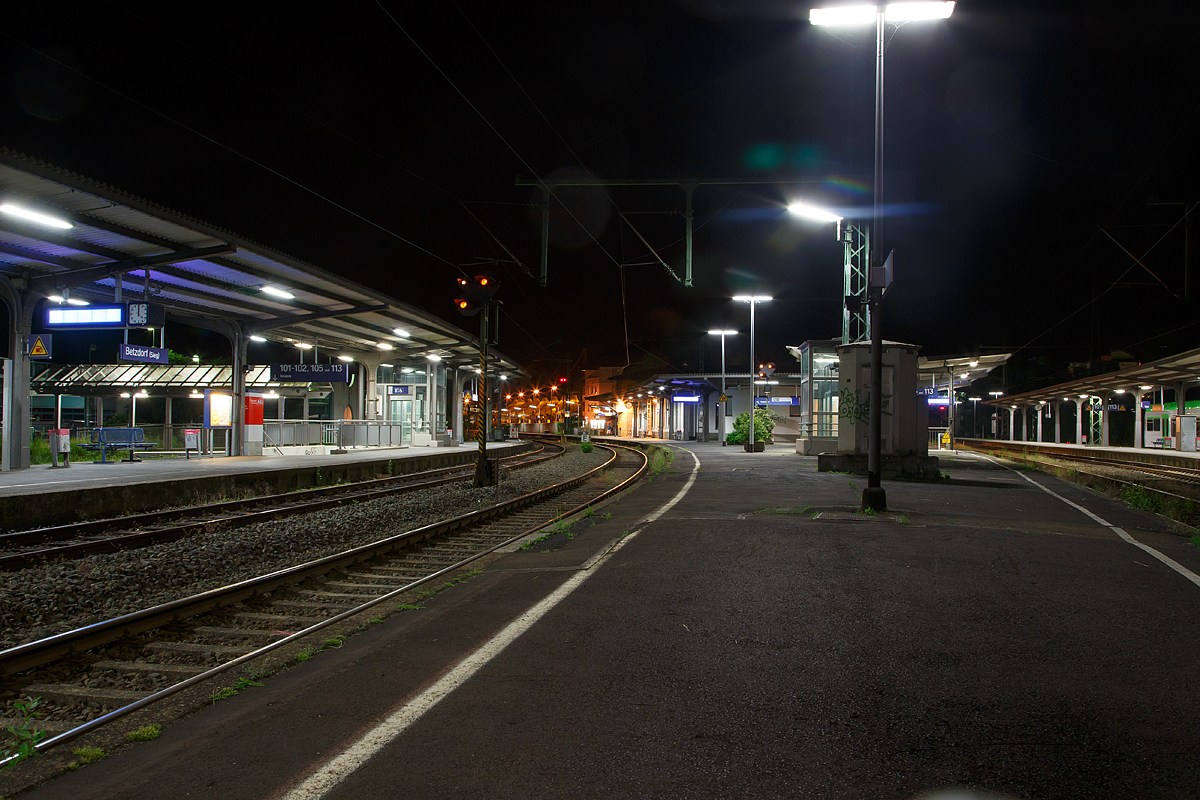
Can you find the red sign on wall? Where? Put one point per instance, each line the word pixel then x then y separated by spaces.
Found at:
pixel 254 409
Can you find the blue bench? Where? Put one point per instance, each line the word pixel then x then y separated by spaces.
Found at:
pixel 105 439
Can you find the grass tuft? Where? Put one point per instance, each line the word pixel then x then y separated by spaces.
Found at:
pixel 145 733
pixel 89 755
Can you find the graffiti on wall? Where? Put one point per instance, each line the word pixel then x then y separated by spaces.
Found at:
pixel 858 409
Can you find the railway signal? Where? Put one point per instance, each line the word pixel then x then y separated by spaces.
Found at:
pixel 474 293
pixel 475 296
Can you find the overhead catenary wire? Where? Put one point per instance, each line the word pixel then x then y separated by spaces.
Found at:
pixel 277 173
pixel 487 122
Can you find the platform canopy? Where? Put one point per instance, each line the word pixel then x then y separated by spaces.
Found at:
pixel 178 380
pixel 1180 371
pixel 204 276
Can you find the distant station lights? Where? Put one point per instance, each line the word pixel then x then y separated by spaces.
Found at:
pixel 34 216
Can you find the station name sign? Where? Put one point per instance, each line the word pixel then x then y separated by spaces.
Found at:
pixel 308 373
pixel 777 401
pixel 114 315
pixel 143 353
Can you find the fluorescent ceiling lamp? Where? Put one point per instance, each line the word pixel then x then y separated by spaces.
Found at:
pixel 345 358
pixel 195 395
pixel 434 357
pixel 721 333
pixel 55 298
pixel 386 365
pixel 1120 391
pixel 406 370
pixel 843 15
pixel 385 346
pixel 141 393
pixel 907 12
pixel 124 394
pixel 256 338
pixel 503 377
pixel 1145 388
pixel 812 212
pixel 34 216
pixel 304 345
pixel 755 298
pixel 75 301
pixel 403 334
pixel 275 292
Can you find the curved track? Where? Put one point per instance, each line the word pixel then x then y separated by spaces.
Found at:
pixel 187 641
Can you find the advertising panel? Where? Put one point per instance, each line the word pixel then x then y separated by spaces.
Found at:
pixel 218 409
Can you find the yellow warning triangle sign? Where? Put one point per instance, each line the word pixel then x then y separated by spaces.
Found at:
pixel 38 349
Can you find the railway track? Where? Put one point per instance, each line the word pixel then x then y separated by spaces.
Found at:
pixel 157 652
pixel 23 549
pixel 1185 474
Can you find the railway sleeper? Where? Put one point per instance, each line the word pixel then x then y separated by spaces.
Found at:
pixel 180 671
pixel 277 619
pixel 244 633
pixel 345 597
pixel 66 694
pixel 193 648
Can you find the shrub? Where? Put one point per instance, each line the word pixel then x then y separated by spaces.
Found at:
pixel 586 447
pixel 764 425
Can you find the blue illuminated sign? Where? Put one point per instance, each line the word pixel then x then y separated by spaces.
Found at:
pixel 144 353
pixel 85 316
pixel 399 390
pixel 305 373
pixel 686 398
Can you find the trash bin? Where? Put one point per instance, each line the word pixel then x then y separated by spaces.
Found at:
pixel 60 445
pixel 191 441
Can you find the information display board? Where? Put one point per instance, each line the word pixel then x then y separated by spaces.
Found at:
pixel 307 373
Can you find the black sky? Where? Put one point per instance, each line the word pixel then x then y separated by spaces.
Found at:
pixel 1019 138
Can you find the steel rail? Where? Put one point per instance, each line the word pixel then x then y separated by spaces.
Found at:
pixel 35 654
pixel 1017 452
pixel 354 556
pixel 219 516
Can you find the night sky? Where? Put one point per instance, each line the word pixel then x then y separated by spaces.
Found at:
pixel 378 141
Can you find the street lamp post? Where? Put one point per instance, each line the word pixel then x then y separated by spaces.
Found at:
pixel 974 415
pixel 753 300
pixel 874 496
pixel 724 400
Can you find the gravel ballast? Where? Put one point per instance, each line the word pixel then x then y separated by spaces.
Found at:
pixel 53 598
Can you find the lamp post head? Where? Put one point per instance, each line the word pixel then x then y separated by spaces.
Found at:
pixel 892 12
pixel 816 213
pixel 752 298
pixel 721 333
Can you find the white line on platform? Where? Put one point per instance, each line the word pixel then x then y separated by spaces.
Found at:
pixel 332 772
pixel 1170 562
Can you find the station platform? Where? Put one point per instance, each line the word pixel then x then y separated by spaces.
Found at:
pixel 736 628
pixel 95 490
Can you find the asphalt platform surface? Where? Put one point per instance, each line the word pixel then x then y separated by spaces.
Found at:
pixel 759 639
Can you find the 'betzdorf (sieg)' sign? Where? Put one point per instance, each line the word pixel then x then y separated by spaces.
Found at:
pixel 144 353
